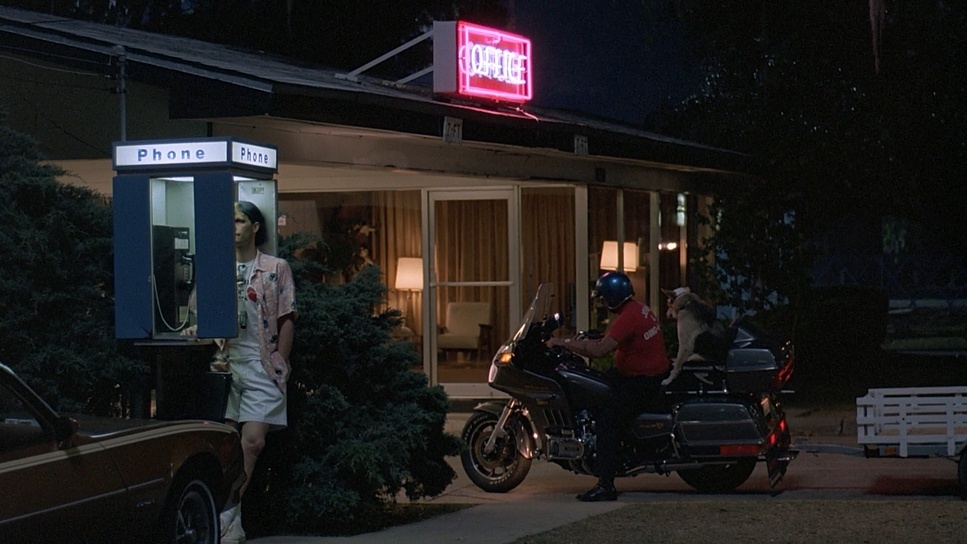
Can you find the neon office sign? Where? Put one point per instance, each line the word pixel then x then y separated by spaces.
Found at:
pixel 479 62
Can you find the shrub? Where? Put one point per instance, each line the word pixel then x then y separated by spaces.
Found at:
pixel 57 284
pixel 363 427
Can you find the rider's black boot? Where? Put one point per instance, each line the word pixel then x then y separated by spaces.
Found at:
pixel 603 491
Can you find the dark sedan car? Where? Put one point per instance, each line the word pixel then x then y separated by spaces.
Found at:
pixel 110 480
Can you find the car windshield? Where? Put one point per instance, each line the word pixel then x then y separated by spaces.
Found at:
pixel 538 309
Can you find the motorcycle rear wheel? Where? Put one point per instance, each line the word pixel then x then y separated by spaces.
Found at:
pixel 719 478
pixel 496 472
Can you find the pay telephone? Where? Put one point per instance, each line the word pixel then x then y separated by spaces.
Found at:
pixel 173 276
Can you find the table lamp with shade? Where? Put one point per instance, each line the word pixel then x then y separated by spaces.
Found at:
pixel 609 256
pixel 409 278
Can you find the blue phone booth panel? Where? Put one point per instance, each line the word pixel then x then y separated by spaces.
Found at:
pixel 174 257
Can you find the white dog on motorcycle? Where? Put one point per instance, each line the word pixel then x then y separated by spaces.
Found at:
pixel 698 330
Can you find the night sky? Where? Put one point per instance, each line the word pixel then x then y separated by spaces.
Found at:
pixel 606 58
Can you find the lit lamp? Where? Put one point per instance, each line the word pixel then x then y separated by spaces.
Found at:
pixel 409 278
pixel 609 256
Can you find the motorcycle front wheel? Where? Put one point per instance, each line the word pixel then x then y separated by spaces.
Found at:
pixel 719 478
pixel 498 471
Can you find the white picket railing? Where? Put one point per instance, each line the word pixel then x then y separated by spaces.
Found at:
pixel 913 420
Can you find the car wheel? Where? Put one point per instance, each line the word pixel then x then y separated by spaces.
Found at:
pixel 190 517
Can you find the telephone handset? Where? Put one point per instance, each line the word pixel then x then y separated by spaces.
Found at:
pixel 187 266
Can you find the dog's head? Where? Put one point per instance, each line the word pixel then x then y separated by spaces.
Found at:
pixel 677 299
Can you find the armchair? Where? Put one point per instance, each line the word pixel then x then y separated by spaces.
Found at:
pixel 467 328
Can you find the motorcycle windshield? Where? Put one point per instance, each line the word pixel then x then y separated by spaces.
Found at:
pixel 538 309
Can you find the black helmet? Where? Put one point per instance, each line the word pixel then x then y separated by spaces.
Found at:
pixel 615 288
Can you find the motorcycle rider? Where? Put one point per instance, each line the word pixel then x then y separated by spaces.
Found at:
pixel 641 364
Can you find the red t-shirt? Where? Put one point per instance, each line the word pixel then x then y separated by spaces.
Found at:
pixel 641 346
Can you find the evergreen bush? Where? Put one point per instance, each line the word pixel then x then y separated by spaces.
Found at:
pixel 57 319
pixel 363 427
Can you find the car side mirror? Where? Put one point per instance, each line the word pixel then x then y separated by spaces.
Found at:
pixel 64 430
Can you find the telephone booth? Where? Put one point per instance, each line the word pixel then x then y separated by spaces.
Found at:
pixel 174 241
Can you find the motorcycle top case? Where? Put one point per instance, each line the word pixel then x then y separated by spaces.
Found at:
pixel 753 363
pixel 750 370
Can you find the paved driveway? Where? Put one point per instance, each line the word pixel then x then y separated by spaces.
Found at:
pixel 830 465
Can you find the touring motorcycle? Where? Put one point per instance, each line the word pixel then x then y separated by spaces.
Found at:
pixel 716 420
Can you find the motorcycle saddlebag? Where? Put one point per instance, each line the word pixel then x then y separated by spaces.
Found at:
pixel 705 424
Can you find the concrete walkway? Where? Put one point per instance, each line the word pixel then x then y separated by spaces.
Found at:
pixel 481 524
pixel 830 465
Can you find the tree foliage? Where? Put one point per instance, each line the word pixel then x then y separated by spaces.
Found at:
pixel 364 427
pixel 840 146
pixel 57 322
pixel 761 260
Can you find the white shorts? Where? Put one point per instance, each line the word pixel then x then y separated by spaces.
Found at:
pixel 254 396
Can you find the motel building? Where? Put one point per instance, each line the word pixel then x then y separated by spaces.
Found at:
pixel 464 195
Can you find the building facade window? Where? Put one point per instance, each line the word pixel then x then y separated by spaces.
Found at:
pixel 477 258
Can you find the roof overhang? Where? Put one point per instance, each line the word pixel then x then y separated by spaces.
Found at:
pixel 245 84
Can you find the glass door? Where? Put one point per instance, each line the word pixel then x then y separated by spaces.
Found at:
pixel 473 298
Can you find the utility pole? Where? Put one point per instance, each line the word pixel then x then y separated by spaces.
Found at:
pixel 122 91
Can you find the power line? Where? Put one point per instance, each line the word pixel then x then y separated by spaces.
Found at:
pixel 55 83
pixel 42 113
pixel 51 68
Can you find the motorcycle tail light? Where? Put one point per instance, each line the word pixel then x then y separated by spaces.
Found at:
pixel 739 450
pixel 781 435
pixel 778 437
pixel 784 374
